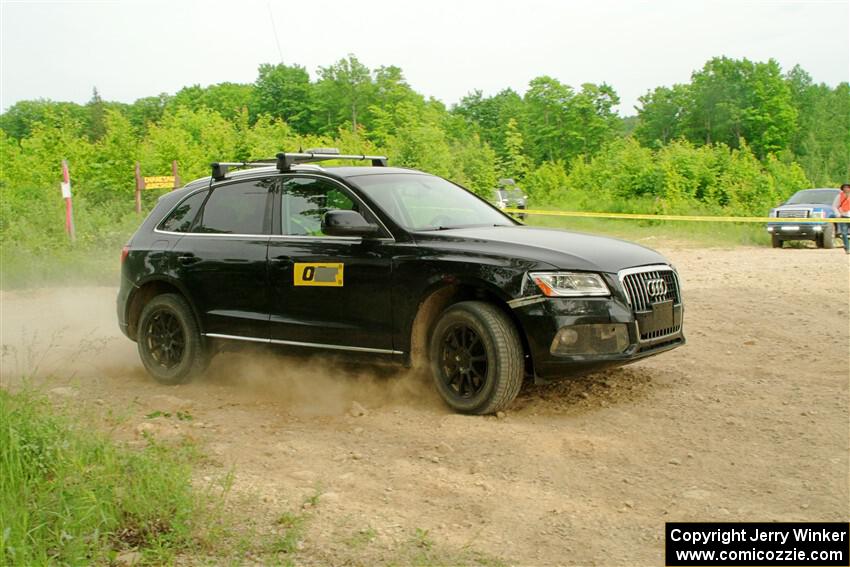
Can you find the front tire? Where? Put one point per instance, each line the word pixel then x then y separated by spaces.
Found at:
pixel 476 358
pixel 828 236
pixel 169 341
pixel 775 241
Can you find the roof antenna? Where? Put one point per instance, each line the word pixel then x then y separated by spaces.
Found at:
pixel 274 31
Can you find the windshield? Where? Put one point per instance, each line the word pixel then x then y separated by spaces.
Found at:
pixel 424 202
pixel 813 196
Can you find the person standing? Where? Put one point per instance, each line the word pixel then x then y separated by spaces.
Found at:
pixel 844 211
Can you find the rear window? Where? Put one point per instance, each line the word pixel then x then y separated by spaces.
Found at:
pixel 235 209
pixel 180 219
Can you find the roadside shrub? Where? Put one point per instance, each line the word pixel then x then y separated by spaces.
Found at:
pixel 70 497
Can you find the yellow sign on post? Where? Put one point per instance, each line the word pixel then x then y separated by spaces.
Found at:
pixel 159 182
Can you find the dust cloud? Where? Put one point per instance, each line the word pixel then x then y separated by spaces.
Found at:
pixel 67 335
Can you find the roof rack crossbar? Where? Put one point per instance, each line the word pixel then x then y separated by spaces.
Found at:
pixel 285 161
pixel 220 168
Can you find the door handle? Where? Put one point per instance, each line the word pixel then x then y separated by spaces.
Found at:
pixel 280 259
pixel 187 259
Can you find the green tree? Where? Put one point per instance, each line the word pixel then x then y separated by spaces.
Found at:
pixel 193 138
pixel 490 116
pixel 821 140
pixel 146 111
pixel 546 116
pixel 769 116
pixel 228 99
pixel 21 118
pixel 97 116
pixel 561 124
pixel 732 100
pixel 345 90
pixel 661 115
pixel 285 92
pixel 515 163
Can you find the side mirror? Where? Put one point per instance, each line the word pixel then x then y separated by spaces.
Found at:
pixel 347 223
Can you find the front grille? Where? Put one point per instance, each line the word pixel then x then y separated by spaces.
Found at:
pixel 643 288
pixel 658 333
pixel 792 213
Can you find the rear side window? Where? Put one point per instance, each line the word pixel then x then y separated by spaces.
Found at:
pixel 236 209
pixel 180 219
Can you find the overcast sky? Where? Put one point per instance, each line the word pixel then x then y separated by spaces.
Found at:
pixel 59 50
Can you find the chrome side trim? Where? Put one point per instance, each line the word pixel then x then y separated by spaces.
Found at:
pixel 236 338
pixel 301 344
pixel 217 234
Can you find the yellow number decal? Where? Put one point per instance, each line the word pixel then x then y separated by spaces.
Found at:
pixel 329 275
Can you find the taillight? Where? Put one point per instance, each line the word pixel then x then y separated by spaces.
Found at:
pixel 125 252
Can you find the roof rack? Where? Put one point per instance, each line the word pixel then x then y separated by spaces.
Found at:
pixel 285 161
pixel 220 168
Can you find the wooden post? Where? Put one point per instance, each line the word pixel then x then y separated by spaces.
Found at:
pixel 140 184
pixel 66 194
pixel 175 173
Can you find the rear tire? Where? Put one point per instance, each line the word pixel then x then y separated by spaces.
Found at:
pixel 775 241
pixel 828 236
pixel 476 358
pixel 169 341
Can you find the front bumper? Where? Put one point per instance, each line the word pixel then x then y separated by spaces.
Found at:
pixel 541 319
pixel 792 231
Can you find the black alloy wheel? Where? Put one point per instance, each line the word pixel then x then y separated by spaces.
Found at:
pixel 476 356
pixel 166 339
pixel 169 341
pixel 463 367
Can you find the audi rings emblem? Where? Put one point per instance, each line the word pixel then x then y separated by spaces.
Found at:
pixel 656 287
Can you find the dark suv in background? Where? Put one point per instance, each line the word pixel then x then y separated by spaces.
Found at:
pixel 392 263
pixel 508 195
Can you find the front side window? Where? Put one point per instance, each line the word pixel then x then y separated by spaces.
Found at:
pixel 304 202
pixel 180 219
pixel 239 208
pixel 425 202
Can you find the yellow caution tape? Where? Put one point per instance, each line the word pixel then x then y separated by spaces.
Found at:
pixel 633 216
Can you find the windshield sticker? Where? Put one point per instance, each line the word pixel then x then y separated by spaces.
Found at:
pixel 328 275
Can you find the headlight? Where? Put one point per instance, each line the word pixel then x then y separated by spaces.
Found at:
pixel 818 214
pixel 570 284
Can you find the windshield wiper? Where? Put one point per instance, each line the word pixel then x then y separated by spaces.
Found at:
pixel 436 228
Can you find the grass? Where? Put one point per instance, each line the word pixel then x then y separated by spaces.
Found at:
pixel 420 550
pixel 292 528
pixel 66 264
pixel 69 496
pixel 698 233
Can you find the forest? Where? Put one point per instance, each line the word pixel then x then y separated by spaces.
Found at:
pixel 738 138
